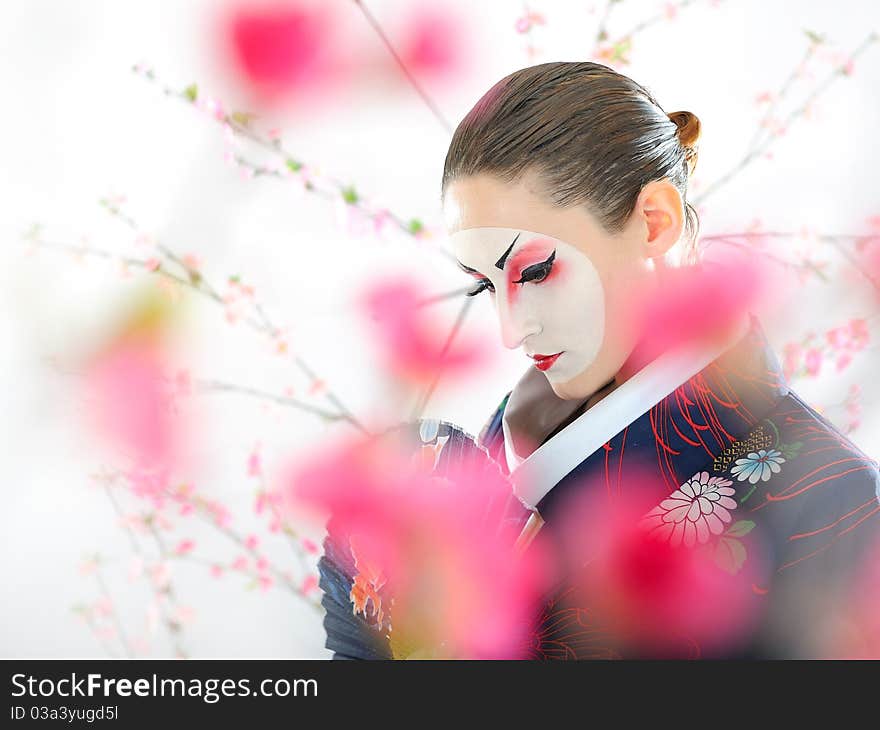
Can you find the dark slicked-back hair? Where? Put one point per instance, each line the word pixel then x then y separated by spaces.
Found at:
pixel 594 136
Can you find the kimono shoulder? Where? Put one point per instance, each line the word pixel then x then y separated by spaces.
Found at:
pixel 491 436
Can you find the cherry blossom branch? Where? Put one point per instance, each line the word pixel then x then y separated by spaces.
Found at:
pixel 264 325
pixel 835 240
pixel 239 124
pixel 216 386
pixel 399 61
pixel 756 152
pixel 670 11
pixel 151 265
pixel 616 51
pixel 815 41
pixel 86 614
pixel 730 240
pixel 102 584
pixel 601 30
pixel 422 402
pixel 525 25
pixel 174 627
pixel 203 513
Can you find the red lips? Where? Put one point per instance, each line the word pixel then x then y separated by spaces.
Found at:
pixel 545 362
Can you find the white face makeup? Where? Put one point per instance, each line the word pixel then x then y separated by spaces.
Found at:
pixel 547 293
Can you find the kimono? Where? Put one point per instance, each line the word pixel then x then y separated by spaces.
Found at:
pixel 778 487
pixel 797 492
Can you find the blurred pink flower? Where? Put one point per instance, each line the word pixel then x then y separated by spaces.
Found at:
pixel 254 467
pixel 411 338
pixel 792 359
pixel 283 49
pixel 240 563
pixel 184 547
pixel 813 361
pixel 435 545
pixel 659 598
pixel 309 546
pixel 433 42
pixel 160 575
pixel 694 304
pixel 216 571
pixel 309 584
pixel 131 405
pixel 251 542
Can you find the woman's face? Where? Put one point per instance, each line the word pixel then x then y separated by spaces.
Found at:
pixel 563 288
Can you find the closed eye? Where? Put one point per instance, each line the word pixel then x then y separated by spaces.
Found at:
pixel 537 272
pixel 481 285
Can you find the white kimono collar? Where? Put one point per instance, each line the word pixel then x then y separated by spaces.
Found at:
pixel 536 474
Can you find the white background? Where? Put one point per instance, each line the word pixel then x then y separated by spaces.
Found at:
pixel 77 125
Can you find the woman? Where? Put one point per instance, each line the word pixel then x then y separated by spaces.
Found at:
pixel 565 197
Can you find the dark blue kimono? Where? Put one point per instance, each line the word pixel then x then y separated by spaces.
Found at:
pixel 799 491
pixel 788 488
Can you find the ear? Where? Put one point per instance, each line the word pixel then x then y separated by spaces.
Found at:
pixel 660 209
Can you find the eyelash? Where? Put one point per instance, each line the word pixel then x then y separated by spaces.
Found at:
pixel 535 273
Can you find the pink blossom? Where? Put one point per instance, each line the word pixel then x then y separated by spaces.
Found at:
pixel 184 547
pixel 186 509
pixel 309 546
pixel 838 337
pixel 814 361
pixel 792 354
pixel 254 467
pixel 131 405
pixel 240 563
pixel 381 218
pixel 284 50
pixel 452 579
pixel 858 330
pixel 843 361
pixel 222 516
pixel 216 571
pixel 152 264
pixel 309 584
pixel 411 339
pixel 693 304
pixel 251 542
pixel 433 41
pixel 160 574
pixel 638 581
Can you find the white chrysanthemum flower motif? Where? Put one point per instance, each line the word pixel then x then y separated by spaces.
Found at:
pixel 758 465
pixel 694 512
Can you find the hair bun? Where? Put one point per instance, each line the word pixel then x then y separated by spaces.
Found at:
pixel 688 133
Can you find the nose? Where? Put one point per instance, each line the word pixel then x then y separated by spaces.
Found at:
pixel 517 322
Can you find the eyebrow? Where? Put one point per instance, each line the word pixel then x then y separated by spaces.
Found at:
pixel 499 263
